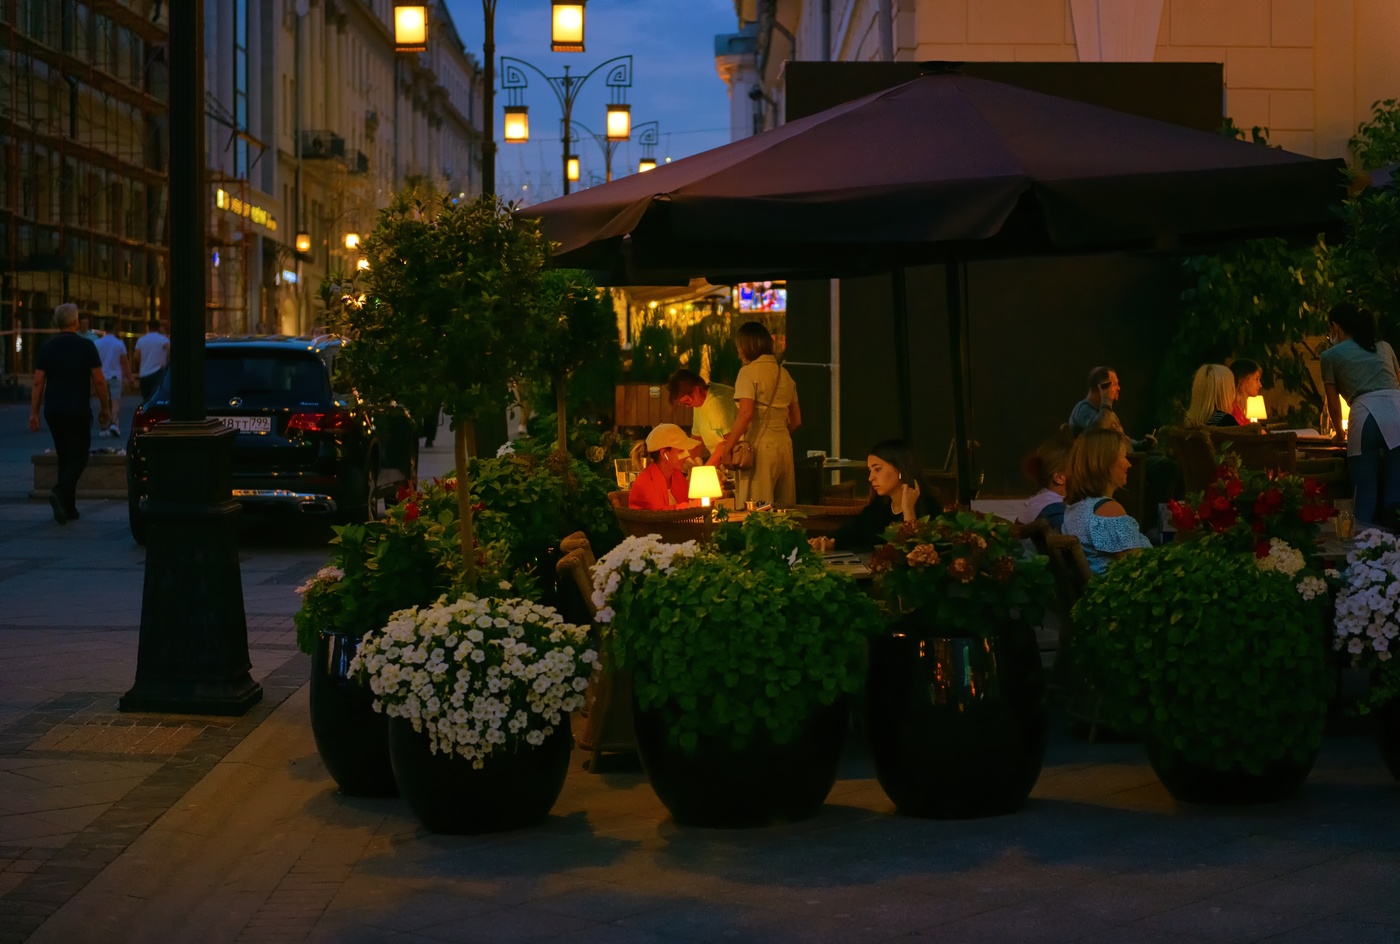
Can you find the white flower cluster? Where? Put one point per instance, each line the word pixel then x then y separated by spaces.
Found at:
pixel 634 558
pixel 1282 557
pixel 477 673
pixel 1368 617
pixel 324 575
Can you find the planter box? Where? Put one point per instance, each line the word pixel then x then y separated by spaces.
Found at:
pixel 104 477
pixel 642 404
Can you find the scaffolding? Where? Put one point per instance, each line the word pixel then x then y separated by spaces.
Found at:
pixel 83 186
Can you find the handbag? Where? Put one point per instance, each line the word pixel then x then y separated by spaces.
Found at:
pixel 742 454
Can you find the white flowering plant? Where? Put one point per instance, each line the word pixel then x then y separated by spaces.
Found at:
pixel 619 574
pixel 1289 561
pixel 322 606
pixel 478 675
pixel 1367 622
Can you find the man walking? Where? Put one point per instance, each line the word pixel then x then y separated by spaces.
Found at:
pixel 116 370
pixel 152 356
pixel 66 370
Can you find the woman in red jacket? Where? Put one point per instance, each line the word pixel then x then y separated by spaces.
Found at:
pixel 662 484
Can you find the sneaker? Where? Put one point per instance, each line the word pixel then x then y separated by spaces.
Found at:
pixel 114 431
pixel 60 514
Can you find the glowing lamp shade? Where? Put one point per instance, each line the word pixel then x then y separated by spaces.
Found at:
pixel 303 242
pixel 566 29
pixel 1254 410
pixel 352 240
pixel 517 124
pixel 410 28
pixel 362 265
pixel 619 122
pixel 704 484
pixel 572 167
pixel 1346 413
pixel 646 164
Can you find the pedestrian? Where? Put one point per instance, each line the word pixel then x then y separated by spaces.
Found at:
pixel 116 372
pixel 768 413
pixel 151 358
pixel 66 371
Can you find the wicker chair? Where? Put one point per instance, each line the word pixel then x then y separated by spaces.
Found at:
pixel 1194 452
pixel 1276 452
pixel 678 526
pixel 578 541
pixel 607 713
pixel 827 518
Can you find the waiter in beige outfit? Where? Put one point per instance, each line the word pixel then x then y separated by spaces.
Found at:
pixel 768 413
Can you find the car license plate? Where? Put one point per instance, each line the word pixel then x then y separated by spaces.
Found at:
pixel 248 424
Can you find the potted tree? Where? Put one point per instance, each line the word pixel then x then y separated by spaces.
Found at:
pixel 1215 658
pixel 478 694
pixel 956 700
pixel 743 653
pixel 1367 631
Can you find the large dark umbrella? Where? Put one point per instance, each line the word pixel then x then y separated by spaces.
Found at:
pixel 942 168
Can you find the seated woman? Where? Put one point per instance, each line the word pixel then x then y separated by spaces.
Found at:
pixel 1098 466
pixel 1249 380
pixel 894 496
pixel 662 484
pixel 1046 469
pixel 1213 395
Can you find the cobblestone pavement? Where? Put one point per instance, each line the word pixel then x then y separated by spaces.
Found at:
pixel 133 827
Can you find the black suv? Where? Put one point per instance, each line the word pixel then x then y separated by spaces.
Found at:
pixel 302 447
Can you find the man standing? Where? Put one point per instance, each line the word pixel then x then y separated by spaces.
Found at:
pixel 116 369
pixel 67 369
pixel 713 405
pixel 152 356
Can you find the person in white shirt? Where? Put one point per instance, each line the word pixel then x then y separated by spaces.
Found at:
pixel 117 371
pixel 152 357
pixel 713 406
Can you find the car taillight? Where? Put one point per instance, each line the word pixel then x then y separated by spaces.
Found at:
pixel 318 422
pixel 146 418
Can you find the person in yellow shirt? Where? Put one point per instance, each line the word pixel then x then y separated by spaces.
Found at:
pixel 713 405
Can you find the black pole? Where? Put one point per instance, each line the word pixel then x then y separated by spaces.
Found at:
pixel 193 651
pixel 488 147
pixel 900 290
pixel 958 355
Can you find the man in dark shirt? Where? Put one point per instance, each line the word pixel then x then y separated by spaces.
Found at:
pixel 66 372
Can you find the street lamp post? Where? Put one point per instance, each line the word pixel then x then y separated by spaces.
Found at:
pixel 609 148
pixel 648 133
pixel 618 77
pixel 488 57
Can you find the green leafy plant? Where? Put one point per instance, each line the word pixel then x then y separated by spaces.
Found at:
pixel 1377 140
pixel 964 570
pixel 1198 647
pixel 729 644
pixel 575 326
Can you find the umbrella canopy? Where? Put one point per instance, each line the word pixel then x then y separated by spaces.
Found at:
pixel 944 166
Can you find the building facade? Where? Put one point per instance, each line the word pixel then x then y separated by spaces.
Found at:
pixel 82 168
pixel 1307 70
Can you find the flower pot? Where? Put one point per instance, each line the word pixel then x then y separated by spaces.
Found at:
pixel 957 724
pixel 1190 782
pixel 351 737
pixel 1388 735
pixel 762 784
pixel 513 790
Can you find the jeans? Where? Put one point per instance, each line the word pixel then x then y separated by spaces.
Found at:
pixel 149 383
pixel 72 441
pixel 1375 475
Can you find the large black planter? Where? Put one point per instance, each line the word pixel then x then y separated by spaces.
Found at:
pixel 351 737
pixel 1388 735
pixel 761 785
pixel 513 790
pixel 1190 782
pixel 957 724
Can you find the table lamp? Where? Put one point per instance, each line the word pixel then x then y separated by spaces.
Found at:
pixel 704 484
pixel 1254 410
pixel 1346 413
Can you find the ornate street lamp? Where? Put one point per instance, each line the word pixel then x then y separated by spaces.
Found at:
pixel 410 28
pixel 517 124
pixel 571 167
pixel 647 134
pixel 303 242
pixel 566 30
pixel 352 240
pixel 619 125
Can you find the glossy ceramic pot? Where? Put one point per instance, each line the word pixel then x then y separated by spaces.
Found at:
pixel 957 724
pixel 760 784
pixel 1190 782
pixel 513 789
pixel 351 737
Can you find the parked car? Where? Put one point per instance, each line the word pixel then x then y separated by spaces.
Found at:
pixel 303 448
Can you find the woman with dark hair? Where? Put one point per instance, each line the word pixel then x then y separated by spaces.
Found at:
pixel 1249 380
pixel 768 413
pixel 1362 369
pixel 894 496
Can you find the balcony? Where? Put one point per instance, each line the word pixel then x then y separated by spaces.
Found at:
pixel 358 163
pixel 322 145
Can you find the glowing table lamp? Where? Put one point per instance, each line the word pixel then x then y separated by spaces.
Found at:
pixel 1254 410
pixel 704 484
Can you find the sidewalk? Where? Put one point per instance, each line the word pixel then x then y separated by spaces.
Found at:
pixel 156 828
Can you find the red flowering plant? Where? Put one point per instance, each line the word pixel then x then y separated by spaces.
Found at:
pixel 1251 506
pixel 962 570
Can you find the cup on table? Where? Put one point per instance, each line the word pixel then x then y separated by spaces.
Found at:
pixel 1346 525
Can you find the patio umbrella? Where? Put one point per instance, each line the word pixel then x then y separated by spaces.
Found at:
pixel 944 168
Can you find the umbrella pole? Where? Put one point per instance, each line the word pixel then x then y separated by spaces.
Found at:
pixel 955 271
pixel 900 291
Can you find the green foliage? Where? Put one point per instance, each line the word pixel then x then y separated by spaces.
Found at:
pixel 1367 263
pixel 1257 134
pixel 764 536
pixel 1194 646
pixel 1377 141
pixel 964 570
pixel 592 442
pixel 530 504
pixel 713 336
pixel 655 351
pixel 574 326
pixel 729 644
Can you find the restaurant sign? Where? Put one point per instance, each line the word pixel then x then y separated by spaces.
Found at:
pixel 228 202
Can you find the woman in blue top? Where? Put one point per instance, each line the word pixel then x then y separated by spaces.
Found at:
pixel 1098 467
pixel 1364 370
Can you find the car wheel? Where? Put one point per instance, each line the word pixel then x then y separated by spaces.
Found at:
pixel 363 502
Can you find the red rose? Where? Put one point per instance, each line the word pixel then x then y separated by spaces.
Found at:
pixel 1233 488
pixel 403 492
pixel 1183 517
pixel 410 511
pixel 1226 471
pixel 1313 488
pixel 1261 549
pixel 1312 514
pixel 1269 502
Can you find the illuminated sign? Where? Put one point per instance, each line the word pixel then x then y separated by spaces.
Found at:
pixel 226 201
